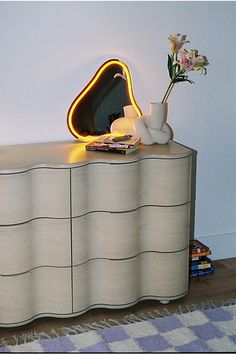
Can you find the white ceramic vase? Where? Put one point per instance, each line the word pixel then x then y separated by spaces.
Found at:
pixel 130 111
pixel 158 115
pixel 153 128
pixel 125 124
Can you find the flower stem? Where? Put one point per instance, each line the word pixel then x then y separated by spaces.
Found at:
pixel 170 87
pixel 166 94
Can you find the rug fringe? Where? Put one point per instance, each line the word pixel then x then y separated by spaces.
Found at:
pixel 108 323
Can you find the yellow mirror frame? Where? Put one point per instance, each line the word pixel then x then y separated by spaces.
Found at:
pixel 89 87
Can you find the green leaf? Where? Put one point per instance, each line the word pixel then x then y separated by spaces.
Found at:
pixel 170 67
pixel 179 79
pixel 183 79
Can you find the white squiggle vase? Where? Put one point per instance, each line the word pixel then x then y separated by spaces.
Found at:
pixel 158 115
pixel 125 124
pixel 140 130
pixel 153 128
pixel 161 136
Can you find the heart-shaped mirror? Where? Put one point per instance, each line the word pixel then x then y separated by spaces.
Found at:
pixel 101 102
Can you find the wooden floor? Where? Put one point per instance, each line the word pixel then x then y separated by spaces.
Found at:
pixel 218 286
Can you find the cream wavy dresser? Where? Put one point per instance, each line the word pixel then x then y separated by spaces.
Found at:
pixel 80 230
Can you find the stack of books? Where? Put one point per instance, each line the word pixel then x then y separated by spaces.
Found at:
pixel 124 144
pixel 199 264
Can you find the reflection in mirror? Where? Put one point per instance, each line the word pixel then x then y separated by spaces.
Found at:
pixel 101 101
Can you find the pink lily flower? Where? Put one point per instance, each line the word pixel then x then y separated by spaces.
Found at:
pixel 190 60
pixel 177 41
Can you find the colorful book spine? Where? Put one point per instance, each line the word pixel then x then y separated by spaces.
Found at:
pixel 110 149
pixel 201 272
pixel 201 260
pixel 196 256
pixel 198 247
pixel 200 266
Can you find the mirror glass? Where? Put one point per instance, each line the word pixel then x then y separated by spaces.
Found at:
pixel 102 101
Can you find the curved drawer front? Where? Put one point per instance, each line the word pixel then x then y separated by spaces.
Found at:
pixel 15 198
pixel 40 242
pixel 42 291
pixel 164 274
pixel 120 283
pixel 104 187
pixel 42 192
pixel 50 192
pixel 164 229
pixel 111 187
pixel 165 182
pixel 121 235
pixel 105 282
pixel 107 235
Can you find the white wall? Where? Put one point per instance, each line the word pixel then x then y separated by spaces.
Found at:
pixel 49 51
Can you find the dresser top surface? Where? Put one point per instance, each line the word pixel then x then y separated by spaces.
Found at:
pixel 14 158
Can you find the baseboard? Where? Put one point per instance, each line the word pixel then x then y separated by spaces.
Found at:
pixel 222 246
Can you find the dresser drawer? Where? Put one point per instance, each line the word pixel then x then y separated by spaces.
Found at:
pixel 105 235
pixel 37 193
pixel 164 229
pixel 106 187
pixel 164 274
pixel 40 242
pixel 121 235
pixel 107 283
pixel 165 182
pixel 44 291
pixel 15 198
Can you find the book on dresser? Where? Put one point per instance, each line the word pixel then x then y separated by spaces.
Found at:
pixel 116 144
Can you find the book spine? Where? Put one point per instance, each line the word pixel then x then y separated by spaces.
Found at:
pixel 198 250
pixel 193 256
pixel 108 145
pixel 115 145
pixel 198 247
pixel 200 266
pixel 96 148
pixel 201 260
pixel 201 272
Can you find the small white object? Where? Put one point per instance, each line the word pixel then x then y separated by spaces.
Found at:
pixel 124 125
pixel 130 111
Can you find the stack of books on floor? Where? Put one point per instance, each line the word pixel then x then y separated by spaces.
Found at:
pixel 124 144
pixel 200 263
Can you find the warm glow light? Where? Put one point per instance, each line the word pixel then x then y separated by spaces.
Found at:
pixel 77 150
pixel 75 103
